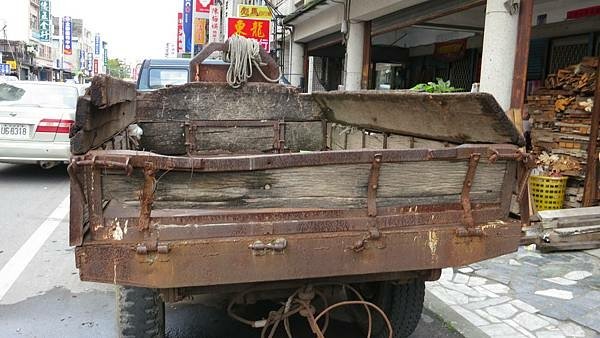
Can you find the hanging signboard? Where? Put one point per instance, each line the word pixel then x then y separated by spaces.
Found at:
pixel 67 42
pixel 450 51
pixel 45 20
pixel 257 29
pixel 214 24
pixel 203 6
pixel 200 31
pixel 97 44
pixel 256 12
pixel 187 24
pixel 95 66
pixel 180 35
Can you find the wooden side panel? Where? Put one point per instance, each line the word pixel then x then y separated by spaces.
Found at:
pixel 456 118
pixel 106 91
pixel 217 101
pixel 168 138
pixel 334 186
pixel 344 137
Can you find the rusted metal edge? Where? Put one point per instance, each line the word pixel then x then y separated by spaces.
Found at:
pixel 465 196
pixel 277 161
pixel 373 186
pixel 204 227
pixel 147 196
pixel 201 262
pixel 77 204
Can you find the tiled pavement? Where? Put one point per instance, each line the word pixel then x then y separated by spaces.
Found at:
pixel 525 294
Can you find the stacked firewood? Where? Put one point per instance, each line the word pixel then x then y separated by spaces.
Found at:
pixel 579 78
pixel 561 119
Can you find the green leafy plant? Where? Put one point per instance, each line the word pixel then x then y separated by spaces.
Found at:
pixel 440 87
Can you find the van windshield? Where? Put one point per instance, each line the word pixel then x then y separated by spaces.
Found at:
pixel 162 77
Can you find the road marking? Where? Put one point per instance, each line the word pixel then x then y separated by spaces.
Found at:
pixel 15 266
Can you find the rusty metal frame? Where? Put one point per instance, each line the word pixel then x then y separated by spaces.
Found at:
pixel 465 197
pixel 138 159
pixel 373 185
pixel 147 196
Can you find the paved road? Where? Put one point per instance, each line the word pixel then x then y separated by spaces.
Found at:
pixel 40 292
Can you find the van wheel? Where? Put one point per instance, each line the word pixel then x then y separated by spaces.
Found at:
pixel 140 312
pixel 402 303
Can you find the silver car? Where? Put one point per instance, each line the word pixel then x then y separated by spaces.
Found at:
pixel 35 119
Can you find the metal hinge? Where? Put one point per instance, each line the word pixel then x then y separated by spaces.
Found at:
pixel 152 247
pixel 260 248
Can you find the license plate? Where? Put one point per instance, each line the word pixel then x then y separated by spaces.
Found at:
pixel 14 131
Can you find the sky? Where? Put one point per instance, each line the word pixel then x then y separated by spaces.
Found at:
pixel 134 29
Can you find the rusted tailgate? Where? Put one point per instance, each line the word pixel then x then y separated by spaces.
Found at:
pixel 156 236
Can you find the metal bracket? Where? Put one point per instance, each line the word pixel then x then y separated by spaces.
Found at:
pixel 147 196
pixel 465 196
pixel 260 248
pixel 373 186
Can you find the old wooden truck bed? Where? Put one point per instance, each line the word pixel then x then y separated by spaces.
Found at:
pixel 265 187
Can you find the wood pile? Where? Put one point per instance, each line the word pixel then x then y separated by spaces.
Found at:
pixel 561 119
pixel 573 229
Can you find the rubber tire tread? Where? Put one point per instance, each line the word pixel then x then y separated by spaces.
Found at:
pixel 140 313
pixel 406 307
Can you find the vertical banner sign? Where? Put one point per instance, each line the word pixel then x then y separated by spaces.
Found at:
pixel 180 35
pixel 97 44
pixel 256 29
pixel 200 31
pixel 95 66
pixel 214 24
pixel 187 24
pixel 81 59
pixel 89 63
pixel 105 57
pixel 67 42
pixel 45 20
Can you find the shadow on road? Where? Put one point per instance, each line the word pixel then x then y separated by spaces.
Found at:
pixel 31 172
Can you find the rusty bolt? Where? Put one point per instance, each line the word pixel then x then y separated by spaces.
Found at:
pixel 374 233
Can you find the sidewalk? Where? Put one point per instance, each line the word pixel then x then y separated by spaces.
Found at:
pixel 524 294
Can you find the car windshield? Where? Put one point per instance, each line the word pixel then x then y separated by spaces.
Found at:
pixel 37 95
pixel 161 77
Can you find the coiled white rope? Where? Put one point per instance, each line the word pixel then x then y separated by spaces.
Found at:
pixel 242 55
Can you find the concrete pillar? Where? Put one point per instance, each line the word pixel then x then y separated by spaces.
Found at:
pixel 311 74
pixel 297 64
pixel 354 56
pixel 499 47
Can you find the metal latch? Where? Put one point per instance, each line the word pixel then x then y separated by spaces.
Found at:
pixel 260 247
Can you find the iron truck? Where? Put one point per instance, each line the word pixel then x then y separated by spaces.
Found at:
pixel 318 200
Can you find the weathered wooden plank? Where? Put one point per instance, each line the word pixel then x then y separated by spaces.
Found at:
pixel 344 137
pixel 167 138
pixel 335 186
pixel 106 91
pixel 218 101
pixel 457 118
pixel 101 125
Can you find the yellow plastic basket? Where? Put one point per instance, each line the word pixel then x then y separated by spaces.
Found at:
pixel 548 193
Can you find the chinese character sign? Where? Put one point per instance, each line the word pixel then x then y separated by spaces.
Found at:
pixel 90 57
pixel 105 57
pixel 214 24
pixel 45 20
pixel 81 59
pixel 256 29
pixel 180 35
pixel 187 24
pixel 203 6
pixel 97 44
pixel 67 41
pixel 257 12
pixel 95 66
pixel 200 31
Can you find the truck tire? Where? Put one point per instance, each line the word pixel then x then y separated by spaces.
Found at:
pixel 402 303
pixel 140 312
